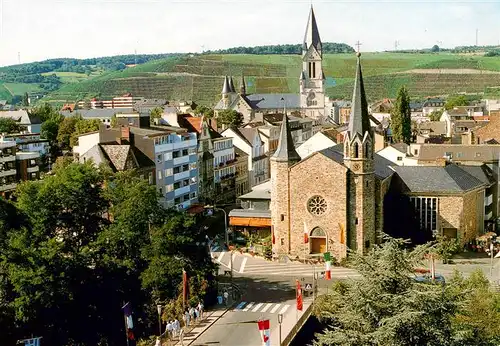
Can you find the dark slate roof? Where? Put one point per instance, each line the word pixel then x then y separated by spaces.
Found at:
pixel 381 164
pixel 311 36
pixel 231 84
pixel 226 88
pixel 285 151
pixel 359 121
pixel 273 101
pixel 482 173
pixel 448 179
pixel 401 147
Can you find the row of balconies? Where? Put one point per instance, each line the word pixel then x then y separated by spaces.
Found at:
pixel 227 163
pixel 229 176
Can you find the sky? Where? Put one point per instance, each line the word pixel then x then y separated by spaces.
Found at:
pixel 43 29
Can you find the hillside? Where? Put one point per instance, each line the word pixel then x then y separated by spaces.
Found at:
pixel 200 77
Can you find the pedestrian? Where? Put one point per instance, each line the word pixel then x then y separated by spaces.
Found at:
pixel 226 297
pixel 177 327
pixel 169 329
pixel 191 314
pixel 200 308
pixel 181 336
pixel 158 342
pixel 196 314
pixel 186 315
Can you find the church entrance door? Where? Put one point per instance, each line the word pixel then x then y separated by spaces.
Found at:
pixel 318 241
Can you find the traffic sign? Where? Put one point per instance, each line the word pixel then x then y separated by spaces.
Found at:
pixel 308 287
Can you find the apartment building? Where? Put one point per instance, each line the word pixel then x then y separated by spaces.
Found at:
pixel 32 142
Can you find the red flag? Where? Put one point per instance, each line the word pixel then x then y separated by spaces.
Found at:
pixel 184 286
pixel 306 234
pixel 274 239
pixel 265 332
pixel 299 296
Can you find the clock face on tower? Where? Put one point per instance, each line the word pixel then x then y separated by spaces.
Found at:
pixel 355 166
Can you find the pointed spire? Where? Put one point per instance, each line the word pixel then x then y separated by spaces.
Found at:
pixel 231 84
pixel 226 89
pixel 243 86
pixel 285 152
pixel 302 75
pixel 312 34
pixel 359 121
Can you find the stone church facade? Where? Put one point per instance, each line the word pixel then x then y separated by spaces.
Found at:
pixel 332 195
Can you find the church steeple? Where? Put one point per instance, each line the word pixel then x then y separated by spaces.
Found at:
pixel 243 87
pixel 231 84
pixel 285 152
pixel 359 121
pixel 311 36
pixel 226 89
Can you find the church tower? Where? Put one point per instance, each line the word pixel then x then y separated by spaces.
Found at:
pixel 358 157
pixel 226 91
pixel 284 157
pixel 312 78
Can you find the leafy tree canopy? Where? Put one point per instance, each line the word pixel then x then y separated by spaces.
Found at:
pixel 8 125
pixel 205 111
pixel 401 117
pixel 230 118
pixel 455 101
pixel 436 115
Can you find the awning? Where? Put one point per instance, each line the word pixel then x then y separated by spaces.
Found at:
pixel 249 221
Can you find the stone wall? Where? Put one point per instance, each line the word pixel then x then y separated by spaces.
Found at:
pixel 279 206
pixel 318 176
pixel 450 211
pixel 471 218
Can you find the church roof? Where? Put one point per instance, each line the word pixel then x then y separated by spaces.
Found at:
pixel 286 149
pixel 359 121
pixel 231 84
pixel 448 179
pixel 226 88
pixel 381 164
pixel 273 101
pixel 311 36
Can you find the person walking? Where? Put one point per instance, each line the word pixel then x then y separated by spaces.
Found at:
pixel 200 309
pixel 186 316
pixel 177 327
pixel 226 297
pixel 169 330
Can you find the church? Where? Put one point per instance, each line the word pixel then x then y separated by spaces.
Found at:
pixel 310 101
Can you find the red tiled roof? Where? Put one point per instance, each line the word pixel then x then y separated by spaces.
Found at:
pixel 195 123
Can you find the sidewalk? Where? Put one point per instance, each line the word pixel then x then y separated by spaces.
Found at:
pixel 196 330
pixel 289 323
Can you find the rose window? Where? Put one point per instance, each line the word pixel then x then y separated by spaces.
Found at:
pixel 316 205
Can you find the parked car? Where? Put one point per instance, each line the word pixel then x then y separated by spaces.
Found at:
pixel 427 278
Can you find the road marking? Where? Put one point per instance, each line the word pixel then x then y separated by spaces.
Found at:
pixel 276 307
pixel 219 259
pixel 242 268
pixel 257 307
pixel 284 309
pixel 240 306
pixel 266 307
pixel 248 306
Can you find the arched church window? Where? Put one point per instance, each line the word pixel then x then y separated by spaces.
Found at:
pixel 318 232
pixel 356 150
pixel 367 151
pixel 317 205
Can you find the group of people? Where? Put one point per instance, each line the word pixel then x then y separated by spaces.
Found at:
pixel 193 314
pixel 173 328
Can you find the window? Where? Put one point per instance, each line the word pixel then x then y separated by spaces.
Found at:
pixel 158 158
pixel 400 158
pixel 177 185
pixel 185 152
pixel 426 210
pixel 415 152
pixel 177 200
pixel 367 244
pixel 192 151
pixel 176 154
pixel 316 205
pixel 159 175
pixel 185 168
pixel 160 190
pixel 193 180
pixel 170 188
pixel 185 198
pixel 356 150
pixel 150 178
pixel 167 156
pixel 177 170
pixel 185 183
pixel 168 172
pixel 193 195
pixel 356 221
pixel 33 175
pixel 282 217
pixel 192 166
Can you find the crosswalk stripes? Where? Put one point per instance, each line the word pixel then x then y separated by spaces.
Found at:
pixel 262 307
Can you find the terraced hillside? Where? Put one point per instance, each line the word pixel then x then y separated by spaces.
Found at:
pixel 200 78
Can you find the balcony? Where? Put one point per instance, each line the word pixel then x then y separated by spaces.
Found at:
pixel 7 172
pixel 182 191
pixel 7 158
pixel 33 169
pixel 488 200
pixel 181 175
pixel 8 187
pixel 228 163
pixel 181 160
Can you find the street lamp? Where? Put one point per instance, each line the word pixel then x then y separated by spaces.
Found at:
pixel 227 237
pixel 159 317
pixel 280 320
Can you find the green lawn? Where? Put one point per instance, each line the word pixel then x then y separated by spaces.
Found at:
pixel 21 88
pixel 72 77
pixel 4 93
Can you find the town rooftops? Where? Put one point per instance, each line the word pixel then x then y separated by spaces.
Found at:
pixel 459 152
pixel 261 191
pixel 427 179
pixel 433 127
pixel 21 116
pixel 99 113
pixel 273 101
pixel 482 173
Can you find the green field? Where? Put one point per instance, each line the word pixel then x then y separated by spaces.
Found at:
pixel 72 77
pixel 4 93
pixel 21 88
pixel 200 78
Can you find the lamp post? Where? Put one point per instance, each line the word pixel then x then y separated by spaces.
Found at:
pixel 227 237
pixel 159 317
pixel 280 320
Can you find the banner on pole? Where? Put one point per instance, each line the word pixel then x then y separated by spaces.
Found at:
pixel 265 332
pixel 300 304
pixel 328 264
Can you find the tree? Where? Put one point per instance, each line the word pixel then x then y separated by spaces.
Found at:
pixel 66 130
pixel 455 101
pixel 8 125
pixel 436 115
pixel 230 118
pixel 401 117
pixel 83 126
pixel 156 113
pixel 205 111
pixel 26 100
pixel 435 49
